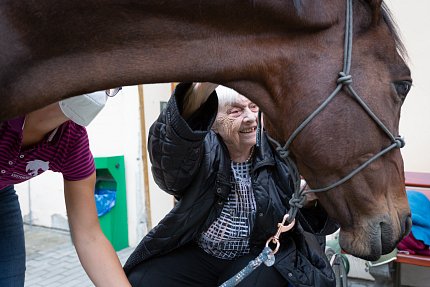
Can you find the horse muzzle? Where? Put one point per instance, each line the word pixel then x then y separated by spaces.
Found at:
pixel 375 238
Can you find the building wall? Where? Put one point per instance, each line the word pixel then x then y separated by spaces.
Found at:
pixel 413 21
pixel 116 131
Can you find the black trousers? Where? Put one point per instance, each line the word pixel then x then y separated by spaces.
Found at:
pixel 191 266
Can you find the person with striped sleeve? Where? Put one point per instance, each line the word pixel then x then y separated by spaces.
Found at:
pixel 54 138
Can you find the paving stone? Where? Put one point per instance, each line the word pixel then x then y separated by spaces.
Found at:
pixel 52 260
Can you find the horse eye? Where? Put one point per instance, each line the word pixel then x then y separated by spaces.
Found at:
pixel 402 88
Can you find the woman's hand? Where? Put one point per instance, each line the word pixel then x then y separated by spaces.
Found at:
pixel 95 252
pixel 311 198
pixel 196 96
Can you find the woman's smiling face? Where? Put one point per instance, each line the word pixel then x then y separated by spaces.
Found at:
pixel 236 123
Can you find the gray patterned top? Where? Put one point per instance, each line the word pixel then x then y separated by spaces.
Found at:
pixel 228 236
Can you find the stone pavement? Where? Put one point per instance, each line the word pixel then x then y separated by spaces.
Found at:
pixel 52 260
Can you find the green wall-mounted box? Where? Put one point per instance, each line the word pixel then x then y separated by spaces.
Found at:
pixel 110 174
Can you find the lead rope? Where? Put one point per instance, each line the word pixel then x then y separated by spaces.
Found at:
pixel 267 256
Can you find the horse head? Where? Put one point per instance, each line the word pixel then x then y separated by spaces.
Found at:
pixel 341 126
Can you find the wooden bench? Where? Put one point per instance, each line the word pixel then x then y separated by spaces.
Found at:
pixel 421 182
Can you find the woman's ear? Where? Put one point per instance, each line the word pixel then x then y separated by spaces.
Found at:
pixel 216 124
pixel 215 127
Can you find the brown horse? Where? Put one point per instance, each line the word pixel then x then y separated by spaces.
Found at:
pixel 284 55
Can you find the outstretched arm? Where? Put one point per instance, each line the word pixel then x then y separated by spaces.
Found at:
pixel 95 252
pixel 196 96
pixel 176 144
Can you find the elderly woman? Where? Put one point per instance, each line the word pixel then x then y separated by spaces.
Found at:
pixel 231 195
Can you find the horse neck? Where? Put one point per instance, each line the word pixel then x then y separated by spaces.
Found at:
pixel 66 48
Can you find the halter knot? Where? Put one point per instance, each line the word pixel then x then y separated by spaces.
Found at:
pixel 297 202
pixel 400 142
pixel 344 79
pixel 283 152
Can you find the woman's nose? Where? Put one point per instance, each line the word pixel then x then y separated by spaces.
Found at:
pixel 249 115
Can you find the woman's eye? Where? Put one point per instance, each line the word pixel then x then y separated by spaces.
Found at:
pixel 402 89
pixel 253 108
pixel 235 112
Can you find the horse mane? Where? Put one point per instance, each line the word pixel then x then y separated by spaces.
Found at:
pixel 387 16
pixel 380 10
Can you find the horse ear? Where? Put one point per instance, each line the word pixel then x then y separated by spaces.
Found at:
pixel 375 5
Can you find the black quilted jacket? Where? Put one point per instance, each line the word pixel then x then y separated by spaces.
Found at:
pixel 191 162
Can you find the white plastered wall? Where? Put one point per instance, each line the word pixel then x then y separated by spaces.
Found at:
pixel 116 131
pixel 414 23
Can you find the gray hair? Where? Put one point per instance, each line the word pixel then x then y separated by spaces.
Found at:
pixel 226 96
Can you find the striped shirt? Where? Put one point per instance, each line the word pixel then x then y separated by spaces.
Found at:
pixel 65 150
pixel 228 236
